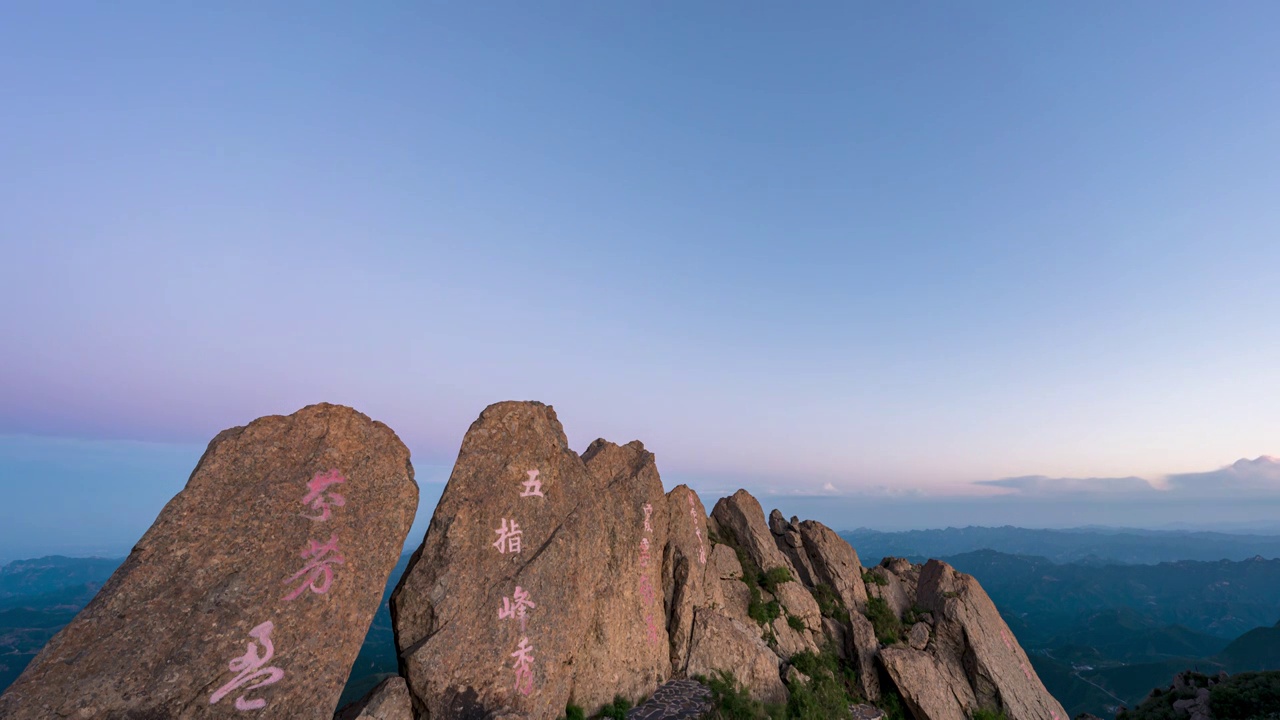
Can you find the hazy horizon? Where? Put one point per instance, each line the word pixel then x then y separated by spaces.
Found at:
pixel 92 516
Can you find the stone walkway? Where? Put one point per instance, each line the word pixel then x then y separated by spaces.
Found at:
pixel 676 700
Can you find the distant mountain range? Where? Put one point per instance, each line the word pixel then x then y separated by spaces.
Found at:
pixel 1093 545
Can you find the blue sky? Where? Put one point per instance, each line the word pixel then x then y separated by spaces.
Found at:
pixel 890 249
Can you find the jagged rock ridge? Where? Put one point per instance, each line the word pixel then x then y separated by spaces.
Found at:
pixel 613 587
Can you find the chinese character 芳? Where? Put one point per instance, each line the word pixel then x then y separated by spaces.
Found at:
pixel 648 510
pixel 317 574
pixel 250 673
pixel 508 537
pixel 317 497
pixel 532 486
pixel 518 608
pixel 524 673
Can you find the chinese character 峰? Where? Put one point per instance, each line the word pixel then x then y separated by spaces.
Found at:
pixel 516 609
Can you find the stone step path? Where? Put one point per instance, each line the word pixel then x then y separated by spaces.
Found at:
pixel 675 700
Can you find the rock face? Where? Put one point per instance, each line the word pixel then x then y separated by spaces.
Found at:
pixel 975 660
pixel 835 563
pixel 539 581
pixel 252 590
pixel 720 643
pixel 547 578
pixel 388 701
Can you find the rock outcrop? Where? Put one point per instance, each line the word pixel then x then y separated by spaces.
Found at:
pixel 546 578
pixel 253 589
pixel 970 659
pixel 539 581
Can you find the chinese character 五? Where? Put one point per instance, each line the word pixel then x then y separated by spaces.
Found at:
pixel 532 486
pixel 317 497
pixel 317 574
pixel 250 673
pixel 508 537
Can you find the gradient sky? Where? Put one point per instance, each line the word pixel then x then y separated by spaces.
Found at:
pixel 890 249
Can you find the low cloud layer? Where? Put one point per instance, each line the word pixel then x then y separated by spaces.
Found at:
pixel 1257 477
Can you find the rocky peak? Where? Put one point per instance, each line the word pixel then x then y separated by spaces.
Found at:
pixel 546 578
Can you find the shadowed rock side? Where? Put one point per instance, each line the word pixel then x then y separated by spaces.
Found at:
pixel 540 578
pixel 252 590
pixel 547 578
pixel 388 701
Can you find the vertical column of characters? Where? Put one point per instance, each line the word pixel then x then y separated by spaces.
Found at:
pixel 517 605
pixel 316 575
pixel 647 593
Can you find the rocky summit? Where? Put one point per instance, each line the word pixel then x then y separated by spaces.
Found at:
pixel 252 591
pixel 546 579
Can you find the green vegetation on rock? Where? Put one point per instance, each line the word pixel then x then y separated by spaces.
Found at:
pixel 731 701
pixel 829 603
pixel 887 625
pixel 617 710
pixel 988 714
pixel 829 691
pixel 1247 696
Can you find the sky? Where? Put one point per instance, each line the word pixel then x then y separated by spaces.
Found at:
pixel 863 257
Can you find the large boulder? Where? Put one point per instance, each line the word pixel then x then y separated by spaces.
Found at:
pixel 864 649
pixel 894 589
pixel 931 689
pixel 741 519
pixel 539 581
pixel 967 626
pixel 721 644
pixel 835 563
pixel 690 580
pixel 253 589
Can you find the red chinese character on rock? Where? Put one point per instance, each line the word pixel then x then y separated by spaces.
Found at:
pixel 317 575
pixel 532 486
pixel 648 511
pixel 652 628
pixel 516 609
pixel 646 589
pixel 251 674
pixel 318 499
pixel 524 673
pixel 644 552
pixel 508 537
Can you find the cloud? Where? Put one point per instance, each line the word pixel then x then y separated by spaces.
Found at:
pixel 1042 485
pixel 1260 476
